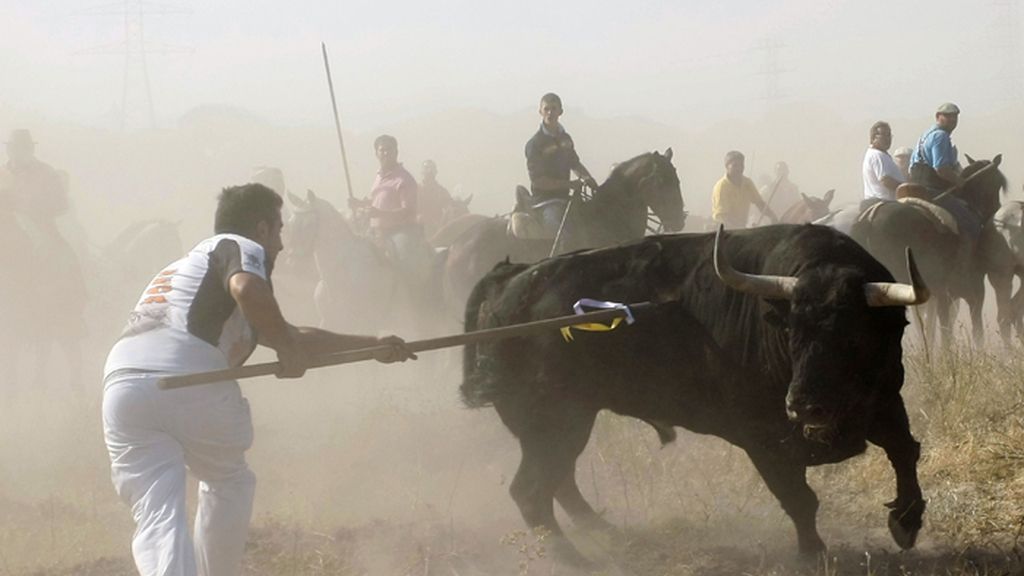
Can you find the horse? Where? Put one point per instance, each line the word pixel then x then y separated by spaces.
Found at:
pixel 807 209
pixel 618 212
pixel 1002 250
pixel 358 289
pixel 949 259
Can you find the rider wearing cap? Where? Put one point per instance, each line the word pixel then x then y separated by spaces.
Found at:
pixel 934 162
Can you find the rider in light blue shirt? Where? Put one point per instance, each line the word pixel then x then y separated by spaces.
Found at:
pixel 935 150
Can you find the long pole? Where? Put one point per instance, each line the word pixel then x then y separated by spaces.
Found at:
pixel 337 120
pixel 350 356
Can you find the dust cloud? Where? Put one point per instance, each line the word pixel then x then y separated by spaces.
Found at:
pixel 379 469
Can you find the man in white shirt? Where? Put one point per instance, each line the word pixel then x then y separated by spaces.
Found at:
pixel 881 174
pixel 206 311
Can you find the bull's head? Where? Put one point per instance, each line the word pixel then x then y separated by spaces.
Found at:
pixel 832 336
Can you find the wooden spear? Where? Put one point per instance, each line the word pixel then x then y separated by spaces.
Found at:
pixel 360 355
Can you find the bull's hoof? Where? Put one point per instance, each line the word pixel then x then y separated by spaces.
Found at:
pixel 905 523
pixel 811 546
pixel 563 551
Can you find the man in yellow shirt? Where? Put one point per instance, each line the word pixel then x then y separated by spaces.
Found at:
pixel 734 193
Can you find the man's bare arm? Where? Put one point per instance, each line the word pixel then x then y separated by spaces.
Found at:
pixel 257 303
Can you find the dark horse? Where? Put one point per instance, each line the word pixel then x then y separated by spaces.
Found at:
pixel 617 213
pixel 950 262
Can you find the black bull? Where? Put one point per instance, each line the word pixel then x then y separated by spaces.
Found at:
pixel 800 368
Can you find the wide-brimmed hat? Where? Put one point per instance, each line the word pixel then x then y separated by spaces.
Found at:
pixel 902 151
pixel 948 108
pixel 20 136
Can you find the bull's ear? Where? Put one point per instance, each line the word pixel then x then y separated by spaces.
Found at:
pixel 969 159
pixel 668 153
pixel 829 196
pixel 310 196
pixel 997 160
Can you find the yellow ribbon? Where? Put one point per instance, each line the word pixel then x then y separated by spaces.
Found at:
pixel 590 327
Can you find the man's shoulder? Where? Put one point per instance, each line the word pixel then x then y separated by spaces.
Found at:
pixel 537 139
pixel 721 183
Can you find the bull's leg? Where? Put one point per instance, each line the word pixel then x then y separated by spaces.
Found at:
pixel 568 493
pixel 891 431
pixel 788 482
pixel 549 456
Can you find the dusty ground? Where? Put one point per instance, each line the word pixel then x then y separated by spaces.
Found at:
pixel 380 471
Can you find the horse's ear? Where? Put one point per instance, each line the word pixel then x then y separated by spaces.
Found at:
pixel 969 159
pixel 997 160
pixel 310 196
pixel 296 201
pixel 806 199
pixel 467 200
pixel 668 153
pixel 829 196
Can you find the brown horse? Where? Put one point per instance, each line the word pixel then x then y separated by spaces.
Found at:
pixel 807 209
pixel 618 212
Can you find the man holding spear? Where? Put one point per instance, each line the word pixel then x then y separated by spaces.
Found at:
pixel 207 311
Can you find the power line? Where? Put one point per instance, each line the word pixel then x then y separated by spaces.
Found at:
pixel 136 90
pixel 1006 34
pixel 771 68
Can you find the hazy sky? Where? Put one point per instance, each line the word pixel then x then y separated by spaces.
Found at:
pixel 679 62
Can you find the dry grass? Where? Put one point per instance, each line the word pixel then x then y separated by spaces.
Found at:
pixel 361 479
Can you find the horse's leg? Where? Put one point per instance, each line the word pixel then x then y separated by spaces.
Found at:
pixel 943 308
pixel 1002 286
pixel 976 303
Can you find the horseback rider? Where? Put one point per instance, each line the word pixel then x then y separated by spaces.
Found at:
pixel 734 193
pixel 38 196
pixel 881 174
pixel 433 199
pixel 392 209
pixel 781 193
pixel 934 162
pixel 550 157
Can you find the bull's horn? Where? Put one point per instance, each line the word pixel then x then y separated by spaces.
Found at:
pixel 770 287
pixel 897 294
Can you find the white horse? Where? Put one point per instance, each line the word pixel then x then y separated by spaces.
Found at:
pixel 359 289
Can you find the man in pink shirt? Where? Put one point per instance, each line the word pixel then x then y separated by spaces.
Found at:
pixel 392 208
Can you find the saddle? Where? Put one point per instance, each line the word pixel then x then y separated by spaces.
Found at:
pixel 525 222
pixel 939 216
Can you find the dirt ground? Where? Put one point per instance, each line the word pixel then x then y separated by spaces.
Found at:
pixel 379 470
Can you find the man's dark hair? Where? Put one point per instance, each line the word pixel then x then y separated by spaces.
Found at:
pixel 733 155
pixel 385 139
pixel 241 208
pixel 876 128
pixel 551 98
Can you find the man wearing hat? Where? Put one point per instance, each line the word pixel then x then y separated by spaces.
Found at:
pixel 37 187
pixel 901 156
pixel 37 192
pixel 934 162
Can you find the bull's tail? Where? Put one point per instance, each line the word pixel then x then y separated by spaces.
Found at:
pixel 478 387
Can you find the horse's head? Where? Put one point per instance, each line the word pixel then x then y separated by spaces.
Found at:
pixel 982 183
pixel 653 178
pixel 311 219
pixel 808 209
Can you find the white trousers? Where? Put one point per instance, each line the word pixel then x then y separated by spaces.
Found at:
pixel 152 437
